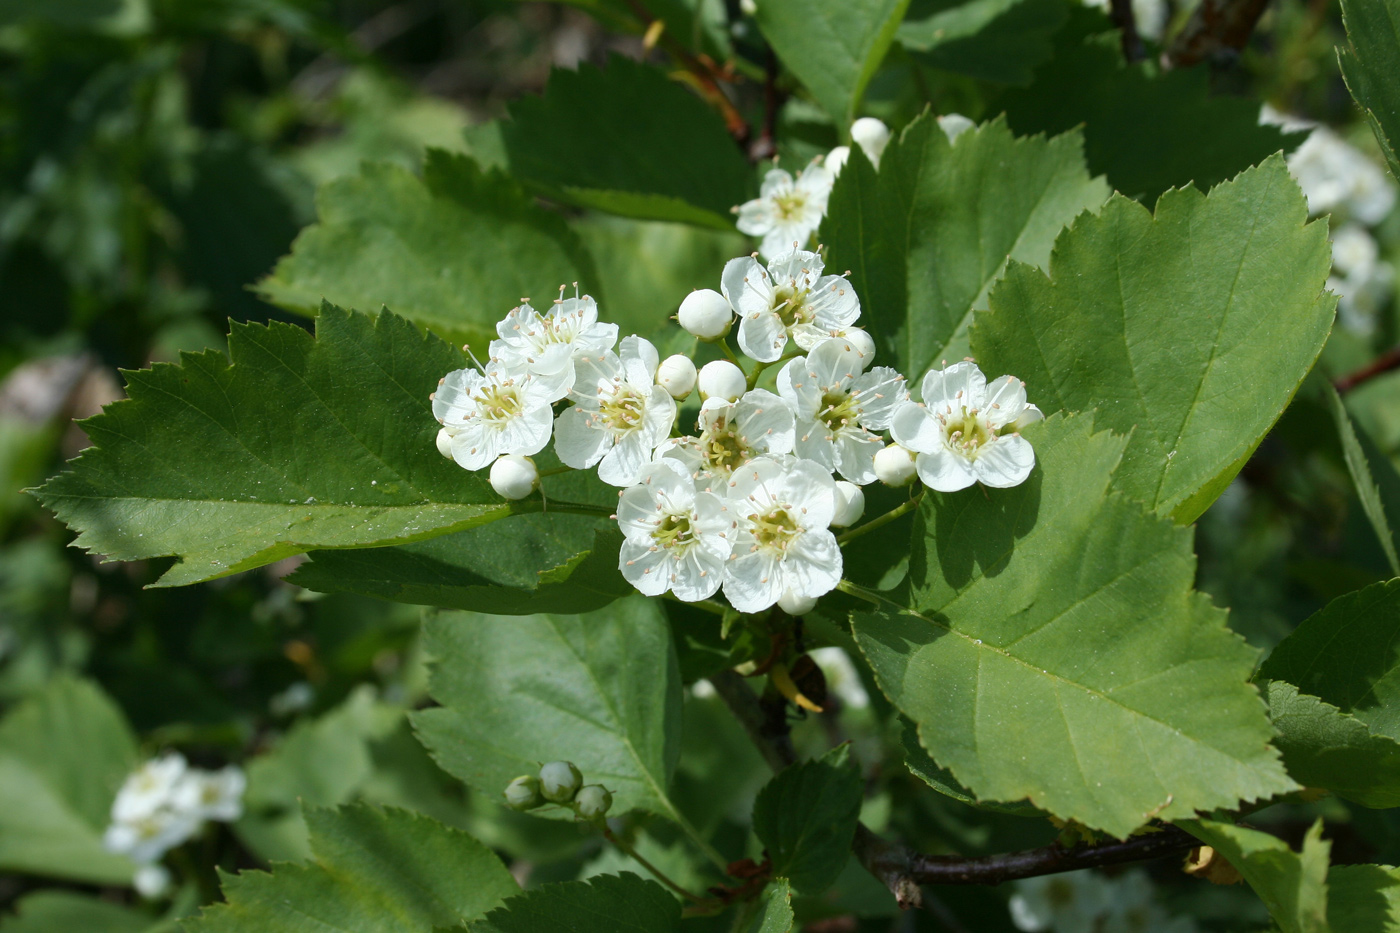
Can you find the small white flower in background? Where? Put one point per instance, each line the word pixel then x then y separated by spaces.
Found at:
pixel 1362 280
pixel 871 135
pixel 149 788
pixel 787 210
pixel 514 477
pixel 837 405
pixel 1067 903
pixel 706 314
pixel 619 416
pixel 721 379
pixel 842 678
pixel 733 433
pixel 954 125
pixel 165 802
pixel 675 535
pixel 790 299
pixel 546 346
pixel 211 795
pixel 1334 174
pixel 147 838
pixel 1132 908
pixel 499 411
pixel 151 881
pixel 966 430
pixel 781 537
pixel 296 697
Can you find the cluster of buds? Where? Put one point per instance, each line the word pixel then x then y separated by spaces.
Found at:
pixel 559 783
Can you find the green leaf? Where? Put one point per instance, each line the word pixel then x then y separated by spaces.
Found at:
pixel 806 818
pixel 923 767
pixel 602 690
pixel 1377 482
pixel 1363 899
pixel 374 870
pixel 1293 885
pixel 64 752
pixel 777 915
pixel 832 46
pixel 1054 650
pixel 1324 747
pixel 926 237
pixel 1348 654
pixel 299 444
pixel 80 13
pixel 1147 131
pixel 995 40
pixel 627 140
pixel 1369 66
pixel 65 912
pixel 622 903
pixel 1190 329
pixel 454 250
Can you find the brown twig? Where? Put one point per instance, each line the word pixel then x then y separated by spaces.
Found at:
pixel 1380 365
pixel 1121 12
pixel 1216 29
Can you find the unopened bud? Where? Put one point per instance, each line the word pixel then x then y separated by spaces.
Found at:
pixel 151 881
pixel 894 466
pixel 836 160
pixel 676 375
pixel 514 477
pixel 706 314
pixel 850 504
pixel 593 802
pixel 872 136
pixel 523 793
pixel 795 604
pixel 444 443
pixel 559 781
pixel 722 379
pixel 954 125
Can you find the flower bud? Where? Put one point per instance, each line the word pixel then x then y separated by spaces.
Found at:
pixel 836 160
pixel 954 125
pixel 676 375
pixel 706 314
pixel 559 781
pixel 894 466
pixel 850 504
pixel 523 793
pixel 795 604
pixel 444 443
pixel 722 379
pixel 593 802
pixel 514 477
pixel 872 136
pixel 860 341
pixel 151 881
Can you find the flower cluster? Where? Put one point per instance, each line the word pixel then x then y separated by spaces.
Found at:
pixel 163 803
pixel 559 783
pixel 746 503
pixel 1088 902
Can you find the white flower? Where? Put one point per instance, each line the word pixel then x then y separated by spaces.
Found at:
pixel 146 839
pixel 842 678
pixel 514 477
pixel 495 412
pixel 791 299
pixel 149 788
pixel 733 433
pixel 721 379
pixel 706 314
pixel 836 405
pixel 619 416
pixel 1132 908
pixel 211 795
pixel 1362 280
pixel 781 536
pixel 966 431
pixel 546 346
pixel 873 136
pixel 151 881
pixel 677 375
pixel 786 212
pixel 1067 903
pixel 675 535
pixel 1335 174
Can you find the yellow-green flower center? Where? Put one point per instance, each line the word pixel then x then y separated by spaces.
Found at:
pixel 966 431
pixel 499 403
pixel 775 528
pixel 838 410
pixel 722 448
pixel 789 206
pixel 624 411
pixel 790 304
pixel 674 531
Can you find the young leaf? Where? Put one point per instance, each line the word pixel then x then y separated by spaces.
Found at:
pixel 1324 747
pixel 454 250
pixel 622 903
pixel 1377 482
pixel 806 818
pixel 990 660
pixel 56 911
pixel 995 40
pixel 602 690
pixel 1293 885
pixel 298 444
pixel 777 915
pixel 925 239
pixel 627 140
pixel 64 752
pixel 374 870
pixel 1188 330
pixel 1346 655
pixel 1370 65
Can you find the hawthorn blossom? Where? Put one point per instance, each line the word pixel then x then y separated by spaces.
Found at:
pixel 149 787
pixel 211 795
pixel 145 839
pixel 787 211
pixel 781 535
pixel 966 431
pixel 620 414
pixel 165 802
pixel 546 346
pixel 837 405
pixel 1072 902
pixel 733 433
pixel 790 299
pixel 496 411
pixel 676 537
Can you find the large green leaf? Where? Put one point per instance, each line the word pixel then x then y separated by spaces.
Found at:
pixel 1377 482
pixel 1054 650
pixel 627 140
pixel 923 767
pixel 53 911
pixel 1324 747
pixel 1349 655
pixel 64 752
pixel 622 903
pixel 602 690
pixel 374 870
pixel 1293 885
pixel 832 46
pixel 996 40
pixel 453 250
pixel 1370 66
pixel 298 444
pixel 806 818
pixel 925 239
pixel 1189 329
pixel 1363 899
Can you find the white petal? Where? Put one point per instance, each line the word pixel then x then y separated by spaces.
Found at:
pixel 799 389
pixel 944 470
pixel 834 363
pixel 640 359
pixel 776 183
pixel 810 488
pixel 813 564
pixel 752 581
pixel 834 303
pixel 578 443
pixel 762 336
pixel 1004 462
pixel 796 265
pixel 765 421
pixel 697 575
pixel 528 432
pixel 746 285
pixel 814 443
pixel 878 392
pixel 644 568
pixel 636 514
pixel 915 427
pixel 960 384
pixel 622 465
pixel 1005 400
pixel 855 456
pixel 475 447
pixel 660 416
